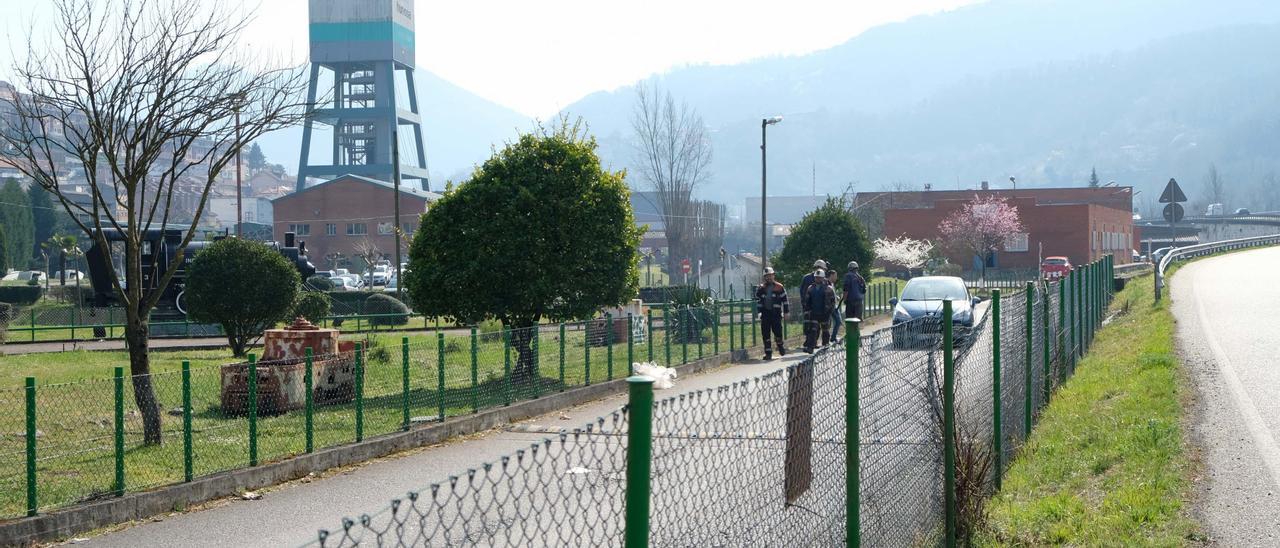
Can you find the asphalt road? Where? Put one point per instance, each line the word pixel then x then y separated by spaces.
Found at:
pixel 1228 338
pixel 292 514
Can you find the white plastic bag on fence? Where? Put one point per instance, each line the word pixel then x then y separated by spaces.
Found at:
pixel 663 377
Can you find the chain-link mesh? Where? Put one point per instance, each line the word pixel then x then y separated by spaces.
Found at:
pixel 901 457
pixel 449 375
pixel 562 491
pixel 756 462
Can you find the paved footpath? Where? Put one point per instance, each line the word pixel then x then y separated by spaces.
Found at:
pixel 290 515
pixel 1227 335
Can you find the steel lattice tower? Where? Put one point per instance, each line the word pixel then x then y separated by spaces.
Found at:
pixel 362 62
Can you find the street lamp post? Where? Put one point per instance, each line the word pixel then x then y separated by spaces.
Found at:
pixel 764 187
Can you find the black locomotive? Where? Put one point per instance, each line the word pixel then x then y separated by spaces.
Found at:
pixel 158 247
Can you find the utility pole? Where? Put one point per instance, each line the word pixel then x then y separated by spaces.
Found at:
pixel 239 206
pixel 395 231
pixel 764 193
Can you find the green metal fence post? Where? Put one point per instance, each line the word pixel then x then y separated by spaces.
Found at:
pixel 754 328
pixel 586 353
pixel 309 381
pixel 1044 346
pixel 666 334
pixel 949 424
pixel 1062 331
pixel 562 352
pixel 608 343
pixel 506 367
pixel 33 323
pixel 639 460
pixel 440 410
pixel 187 465
pixel 32 504
pixel 119 433
pixel 700 328
pixel 537 361
pixel 359 392
pixel 475 372
pixel 1029 344
pixel 997 407
pixel 404 382
pixel 684 334
pixel 732 335
pixel 852 434
pixel 649 332
pixel 715 331
pixel 631 350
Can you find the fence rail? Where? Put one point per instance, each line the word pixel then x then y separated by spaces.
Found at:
pixel 893 440
pixel 63 444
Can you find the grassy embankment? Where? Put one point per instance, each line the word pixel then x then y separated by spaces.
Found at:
pixel 1106 465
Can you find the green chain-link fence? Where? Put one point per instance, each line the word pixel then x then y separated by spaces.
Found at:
pixel 940 410
pixel 81 452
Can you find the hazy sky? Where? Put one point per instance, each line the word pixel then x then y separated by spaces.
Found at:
pixel 538 57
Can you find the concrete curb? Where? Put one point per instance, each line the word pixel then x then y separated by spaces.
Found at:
pixel 68 522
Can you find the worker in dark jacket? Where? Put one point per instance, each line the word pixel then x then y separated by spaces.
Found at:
pixel 855 291
pixel 808 281
pixel 771 304
pixel 821 300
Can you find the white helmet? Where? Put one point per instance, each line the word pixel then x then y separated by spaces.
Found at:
pixel 820 264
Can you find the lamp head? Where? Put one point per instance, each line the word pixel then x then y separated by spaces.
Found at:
pixel 772 120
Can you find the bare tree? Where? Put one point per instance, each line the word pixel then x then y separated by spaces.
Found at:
pixel 1215 187
pixel 143 94
pixel 368 251
pixel 674 155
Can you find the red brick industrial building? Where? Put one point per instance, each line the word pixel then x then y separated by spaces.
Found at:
pixel 1082 224
pixel 334 216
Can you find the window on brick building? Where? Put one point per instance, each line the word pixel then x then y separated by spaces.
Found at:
pixel 300 229
pixel 357 229
pixel 330 229
pixel 408 228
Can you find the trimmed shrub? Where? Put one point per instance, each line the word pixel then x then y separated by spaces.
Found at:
pixel 346 303
pixel 378 304
pixel 312 305
pixel 21 295
pixel 243 285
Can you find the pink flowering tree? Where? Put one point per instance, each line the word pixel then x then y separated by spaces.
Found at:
pixel 981 227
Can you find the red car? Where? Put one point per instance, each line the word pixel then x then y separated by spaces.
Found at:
pixel 1053 268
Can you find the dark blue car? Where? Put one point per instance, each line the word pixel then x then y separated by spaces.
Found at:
pixel 917 312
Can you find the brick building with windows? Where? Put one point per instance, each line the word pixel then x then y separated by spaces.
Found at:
pixel 1082 224
pixel 332 217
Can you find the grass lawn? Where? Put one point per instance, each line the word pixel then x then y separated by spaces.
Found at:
pixel 1106 463
pixel 75 402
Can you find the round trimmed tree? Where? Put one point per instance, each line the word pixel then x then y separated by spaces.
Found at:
pixel 244 286
pixel 541 231
pixel 831 233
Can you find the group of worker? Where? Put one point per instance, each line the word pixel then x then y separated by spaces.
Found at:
pixel 817 299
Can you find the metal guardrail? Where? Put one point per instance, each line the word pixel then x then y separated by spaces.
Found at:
pixel 1206 249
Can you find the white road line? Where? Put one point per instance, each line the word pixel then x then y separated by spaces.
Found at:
pixel 1266 443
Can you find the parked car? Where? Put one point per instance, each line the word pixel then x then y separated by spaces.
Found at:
pixel 917 313
pixel 1242 211
pixel 379 276
pixel 1052 268
pixel 324 273
pixel 343 283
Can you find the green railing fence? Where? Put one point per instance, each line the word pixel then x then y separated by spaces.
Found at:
pixel 891 440
pixel 67 443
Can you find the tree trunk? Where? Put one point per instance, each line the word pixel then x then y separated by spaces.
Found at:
pixel 521 342
pixel 144 395
pixel 62 268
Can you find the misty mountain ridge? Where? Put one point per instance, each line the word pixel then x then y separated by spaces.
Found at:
pixel 948 98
